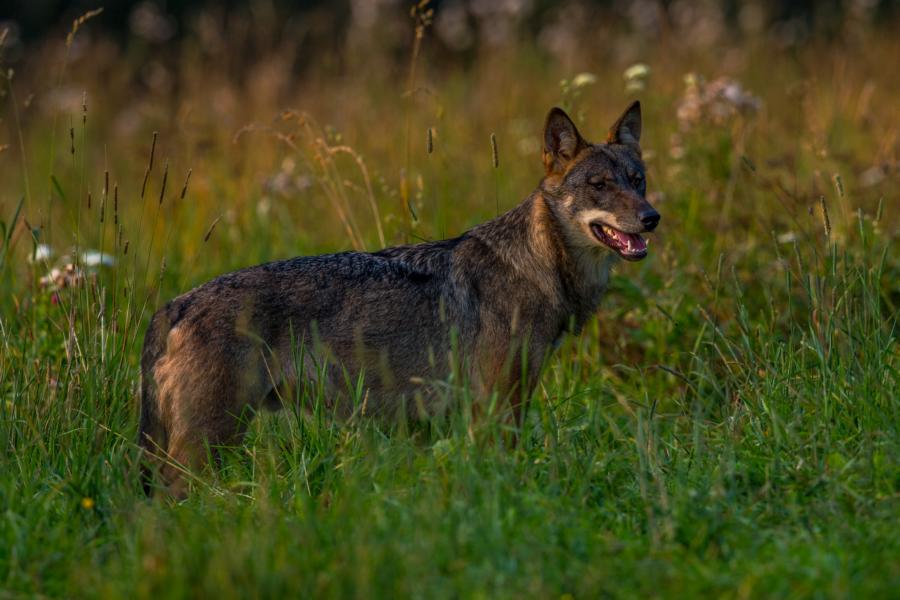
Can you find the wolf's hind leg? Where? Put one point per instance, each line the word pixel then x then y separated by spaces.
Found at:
pixel 208 412
pixel 208 393
pixel 198 437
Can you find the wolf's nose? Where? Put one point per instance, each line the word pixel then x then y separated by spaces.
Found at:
pixel 650 219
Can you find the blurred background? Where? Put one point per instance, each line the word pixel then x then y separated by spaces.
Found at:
pixel 460 24
pixel 316 126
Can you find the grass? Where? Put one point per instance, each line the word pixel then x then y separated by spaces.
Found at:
pixel 726 426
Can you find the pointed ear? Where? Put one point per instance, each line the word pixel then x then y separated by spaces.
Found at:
pixel 627 130
pixel 562 142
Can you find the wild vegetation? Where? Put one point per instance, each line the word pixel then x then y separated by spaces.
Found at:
pixel 726 426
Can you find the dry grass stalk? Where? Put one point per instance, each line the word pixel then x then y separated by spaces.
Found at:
pixel 370 194
pixel 329 176
pixel 105 195
pixel 423 16
pixel 77 23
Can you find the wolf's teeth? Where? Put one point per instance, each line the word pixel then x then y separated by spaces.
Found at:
pixel 609 231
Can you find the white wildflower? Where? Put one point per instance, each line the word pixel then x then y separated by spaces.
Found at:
pixel 41 253
pixel 93 258
pixel 583 79
pixel 637 71
pixel 636 77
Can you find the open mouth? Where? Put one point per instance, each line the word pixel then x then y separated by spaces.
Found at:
pixel 630 246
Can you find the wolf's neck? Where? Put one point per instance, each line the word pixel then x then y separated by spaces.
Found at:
pixel 530 241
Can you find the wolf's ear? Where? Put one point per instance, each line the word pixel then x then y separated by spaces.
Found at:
pixel 627 130
pixel 562 142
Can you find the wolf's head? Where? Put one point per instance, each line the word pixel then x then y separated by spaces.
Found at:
pixel 598 190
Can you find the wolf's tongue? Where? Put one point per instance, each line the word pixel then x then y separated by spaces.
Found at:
pixel 637 243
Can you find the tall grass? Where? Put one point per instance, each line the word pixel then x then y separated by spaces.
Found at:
pixel 727 425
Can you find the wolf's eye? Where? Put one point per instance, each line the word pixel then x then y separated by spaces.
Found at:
pixel 599 182
pixel 637 179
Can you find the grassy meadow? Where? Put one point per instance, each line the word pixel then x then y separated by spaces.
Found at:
pixel 727 426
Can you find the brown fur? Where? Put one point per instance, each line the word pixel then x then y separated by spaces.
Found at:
pixel 501 295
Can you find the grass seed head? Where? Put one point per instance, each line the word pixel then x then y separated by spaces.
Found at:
pixel 77 23
pixel 149 164
pixel 838 185
pixel 187 179
pixel 495 155
pixel 825 220
pixel 210 230
pixel 165 179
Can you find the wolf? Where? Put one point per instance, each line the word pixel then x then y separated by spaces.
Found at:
pixel 489 305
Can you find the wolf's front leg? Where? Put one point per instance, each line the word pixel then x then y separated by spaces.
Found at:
pixel 512 377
